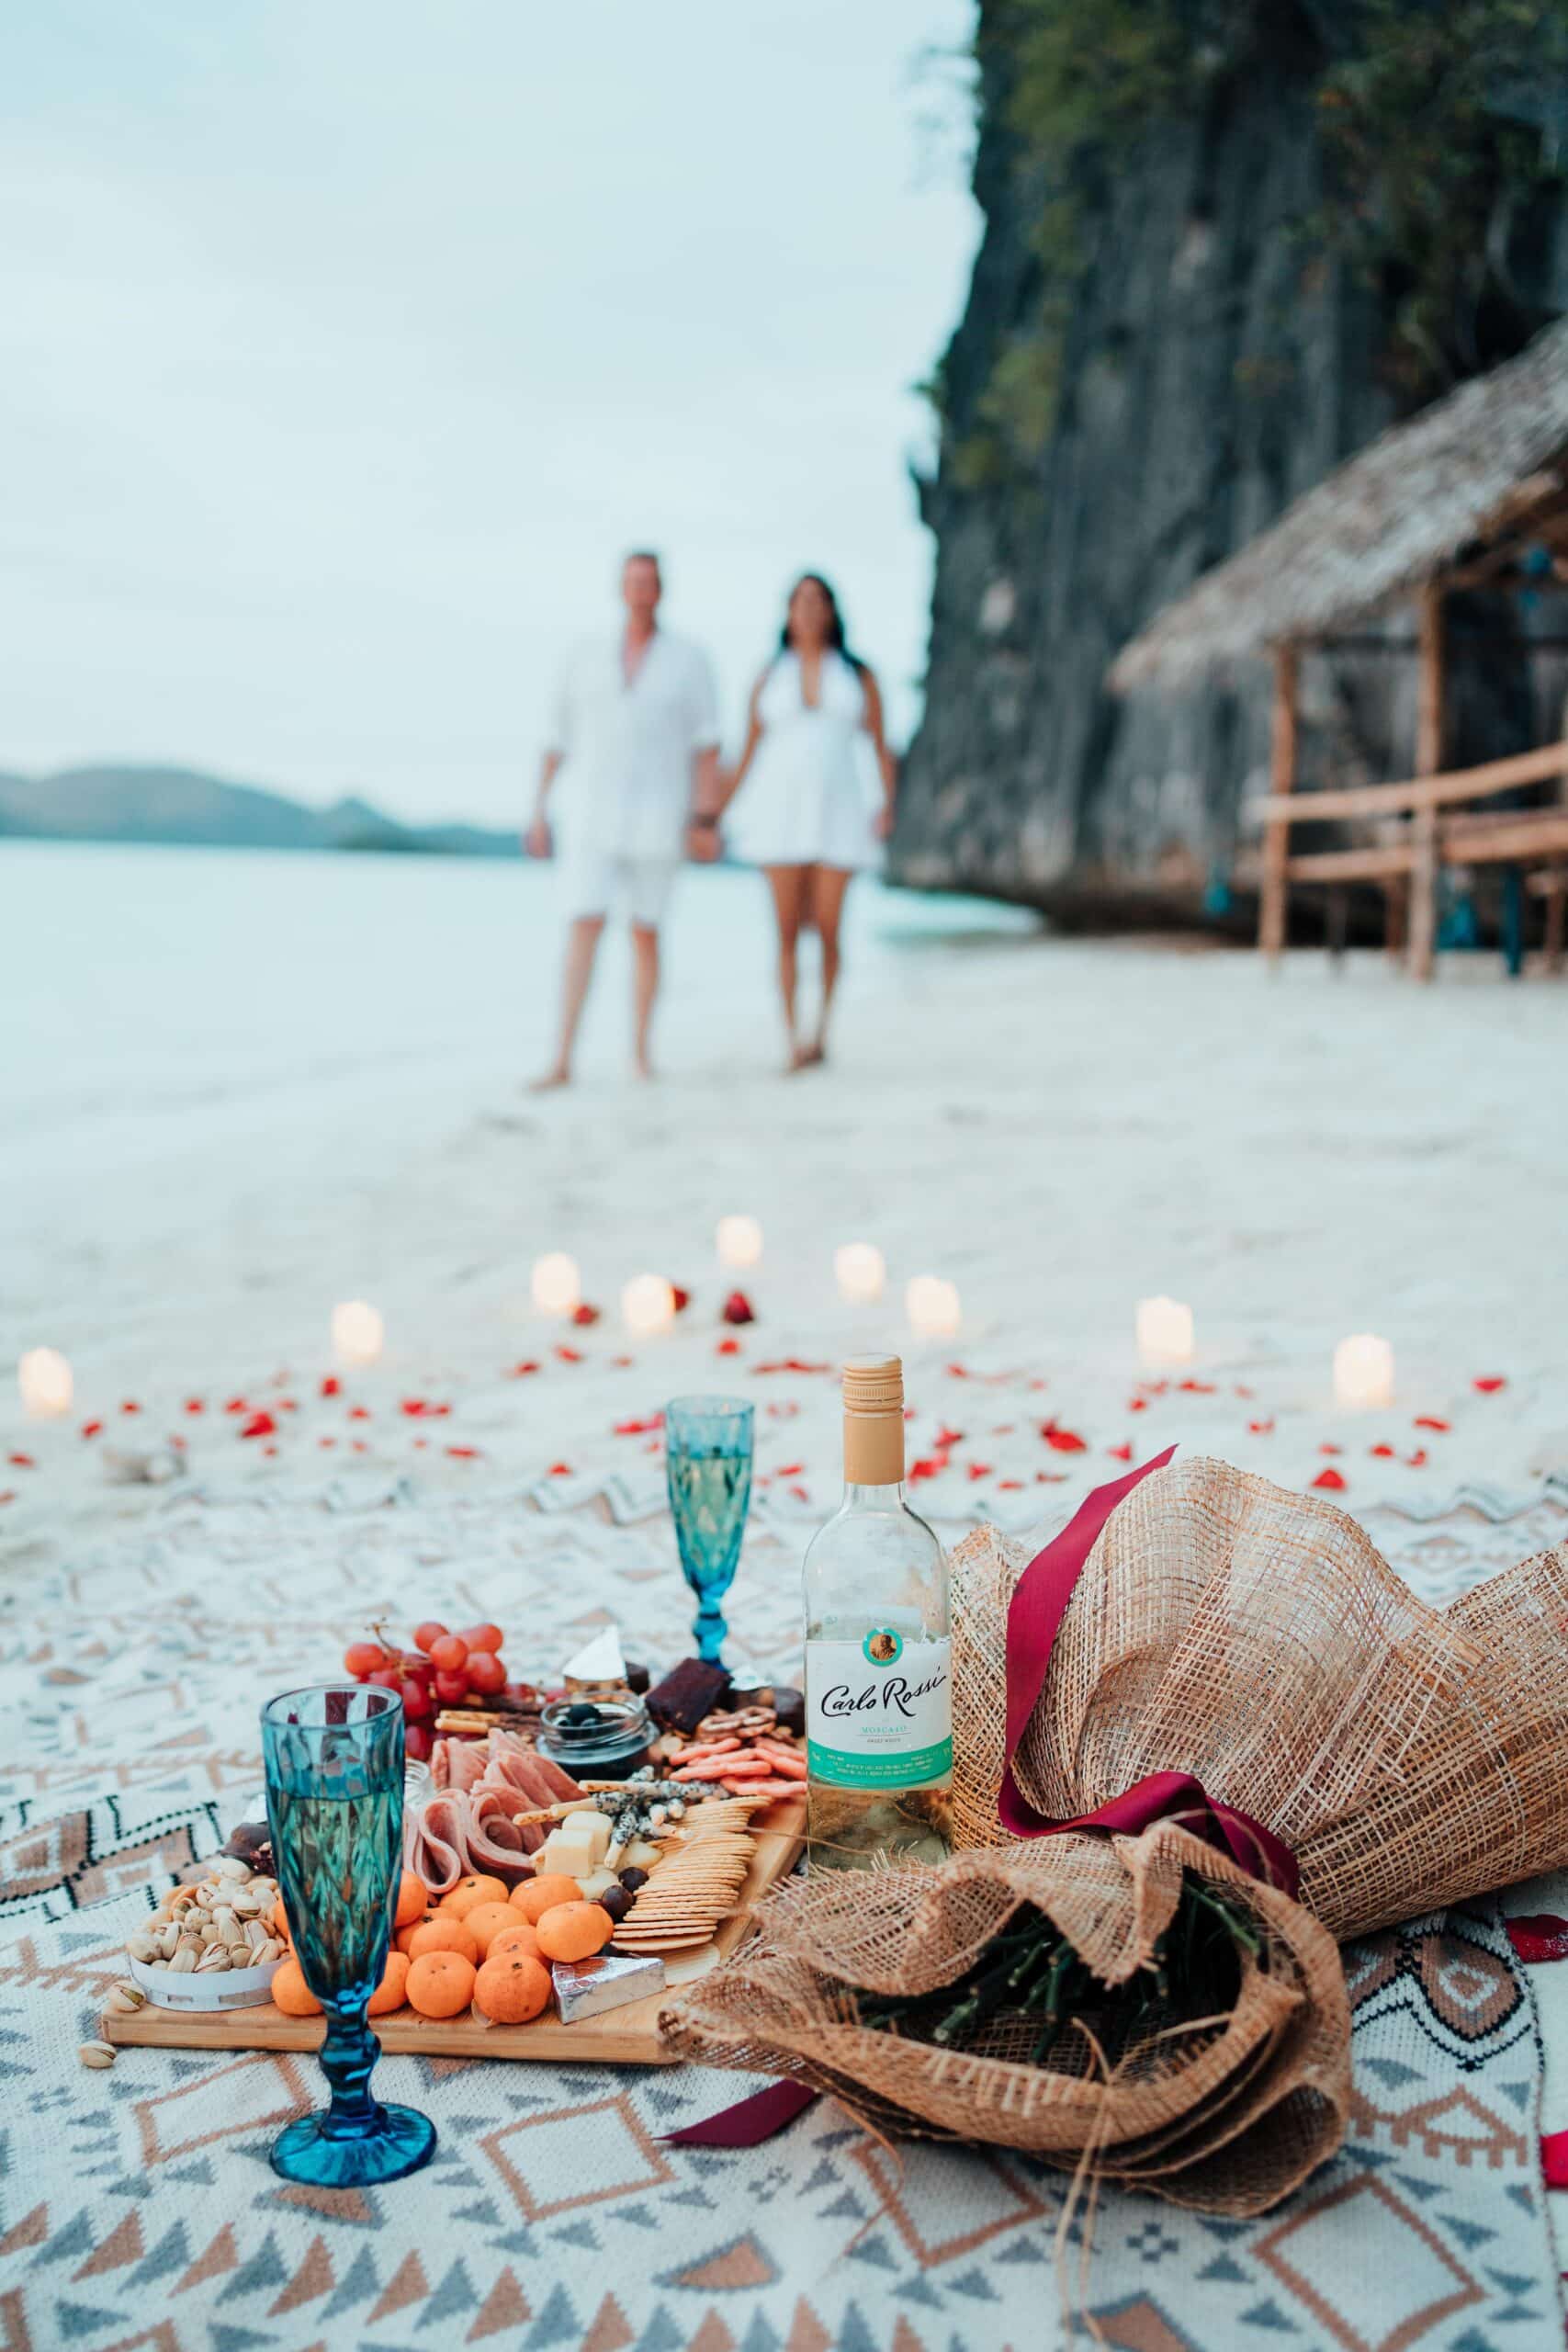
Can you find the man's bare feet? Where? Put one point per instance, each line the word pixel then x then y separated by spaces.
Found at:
pixel 560 1076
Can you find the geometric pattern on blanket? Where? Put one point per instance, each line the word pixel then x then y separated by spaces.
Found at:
pixel 137 2208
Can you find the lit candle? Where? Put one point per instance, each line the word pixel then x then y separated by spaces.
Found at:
pixel 558 1287
pixel 357 1332
pixel 647 1305
pixel 860 1273
pixel 44 1378
pixel 1165 1332
pixel 739 1240
pixel 1363 1372
pixel 931 1306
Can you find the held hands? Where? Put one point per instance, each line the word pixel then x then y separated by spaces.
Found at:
pixel 703 843
pixel 882 823
pixel 536 841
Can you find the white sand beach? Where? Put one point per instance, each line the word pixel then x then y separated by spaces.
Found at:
pixel 310 1087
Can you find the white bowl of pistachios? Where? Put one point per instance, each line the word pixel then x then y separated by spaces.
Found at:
pixel 210 1945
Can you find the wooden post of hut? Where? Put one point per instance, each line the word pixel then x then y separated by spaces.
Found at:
pixel 1273 908
pixel 1429 684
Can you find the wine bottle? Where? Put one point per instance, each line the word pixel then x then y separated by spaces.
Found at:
pixel 878 1651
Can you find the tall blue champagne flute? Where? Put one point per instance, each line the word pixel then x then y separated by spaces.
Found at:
pixel 334 1802
pixel 707 1465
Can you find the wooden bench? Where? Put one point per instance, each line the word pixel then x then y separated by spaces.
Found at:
pixel 1419 839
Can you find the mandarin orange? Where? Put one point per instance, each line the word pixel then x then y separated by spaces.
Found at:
pixel 441 1983
pixel 512 1988
pixel 532 1897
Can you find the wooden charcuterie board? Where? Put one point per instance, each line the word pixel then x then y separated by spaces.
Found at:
pixel 624 2036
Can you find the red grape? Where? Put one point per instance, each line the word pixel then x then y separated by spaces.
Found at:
pixel 450 1653
pixel 451 1689
pixel 362 1658
pixel 415 1697
pixel 424 1635
pixel 417 1742
pixel 483 1637
pixel 486 1673
pixel 387 1677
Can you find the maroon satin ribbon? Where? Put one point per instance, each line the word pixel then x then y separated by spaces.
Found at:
pixel 1035 1617
pixel 749 2123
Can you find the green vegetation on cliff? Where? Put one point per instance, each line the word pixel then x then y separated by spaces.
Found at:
pixel 1433 140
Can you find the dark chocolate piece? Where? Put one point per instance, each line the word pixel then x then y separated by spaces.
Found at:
pixel 636 1678
pixel 688 1692
pixel 789 1709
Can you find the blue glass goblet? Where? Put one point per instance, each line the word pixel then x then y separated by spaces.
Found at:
pixel 334 1802
pixel 707 1464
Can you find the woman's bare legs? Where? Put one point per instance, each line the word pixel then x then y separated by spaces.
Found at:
pixel 789 887
pixel 828 884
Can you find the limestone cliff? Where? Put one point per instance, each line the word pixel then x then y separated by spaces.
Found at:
pixel 1170 334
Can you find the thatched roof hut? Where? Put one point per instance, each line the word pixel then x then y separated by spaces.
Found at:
pixel 1486 468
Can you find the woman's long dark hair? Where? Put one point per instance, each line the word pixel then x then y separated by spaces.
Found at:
pixel 836 638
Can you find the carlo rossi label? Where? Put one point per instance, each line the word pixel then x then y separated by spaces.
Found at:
pixel 879 1711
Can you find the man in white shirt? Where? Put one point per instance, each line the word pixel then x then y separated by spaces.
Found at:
pixel 636 730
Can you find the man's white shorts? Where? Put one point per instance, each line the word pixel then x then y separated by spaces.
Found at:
pixel 597 882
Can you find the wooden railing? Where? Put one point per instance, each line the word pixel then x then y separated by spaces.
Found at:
pixel 1420 841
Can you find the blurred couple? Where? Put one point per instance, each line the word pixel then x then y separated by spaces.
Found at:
pixel 636 727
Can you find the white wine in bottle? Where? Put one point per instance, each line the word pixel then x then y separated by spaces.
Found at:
pixel 878 1651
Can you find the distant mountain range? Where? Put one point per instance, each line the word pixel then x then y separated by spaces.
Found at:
pixel 181 805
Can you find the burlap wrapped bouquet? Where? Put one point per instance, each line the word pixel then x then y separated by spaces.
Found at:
pixel 1205 1697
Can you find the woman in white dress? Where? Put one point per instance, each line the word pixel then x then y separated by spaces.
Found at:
pixel 800 807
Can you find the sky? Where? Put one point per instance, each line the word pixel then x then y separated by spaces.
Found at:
pixel 343 349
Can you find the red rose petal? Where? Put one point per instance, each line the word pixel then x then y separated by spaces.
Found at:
pixel 1239 1391
pixel 927 1467
pixel 738 1308
pixel 958 1372
pixel 178 1443
pixel 521 1371
pixel 1329 1447
pixel 92 1429
pixel 980 1470
pixel 800 1494
pixel 946 1438
pixel 268 1450
pixel 559 1470
pixel 728 1348
pixel 1062 1440
pixel 325 1442
pixel 1429 1421
pixel 1331 1480
pixel 1137 1404
pixel 1538 1935
pixel 419 1445
pixel 236 1405
pixel 196 1405
pixel 790 1470
pixel 332 1385
pixel 130 1406
pixel 260 1425
pixel 1050 1477
pixel 622 1363
pixel 583 1315
pixel 464 1453
pixel 1417 1461
pixel 1261 1429
pixel 1381 1453
pixel 1122 1452
pixel 359 1445
pixel 1490 1383
pixel 639 1429
pixel 1009 1485
pixel 22 1462
pixel 1198 1387
pixel 568 1355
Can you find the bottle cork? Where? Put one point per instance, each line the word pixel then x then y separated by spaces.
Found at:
pixel 874 1422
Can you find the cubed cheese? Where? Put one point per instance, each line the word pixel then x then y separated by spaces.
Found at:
pixel 567 1849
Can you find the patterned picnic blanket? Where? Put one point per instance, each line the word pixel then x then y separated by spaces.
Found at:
pixel 137 2208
